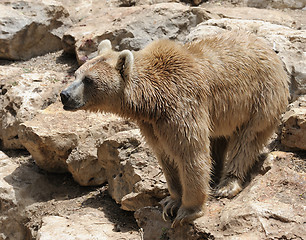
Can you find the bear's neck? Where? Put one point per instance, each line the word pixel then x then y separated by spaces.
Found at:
pixel 142 98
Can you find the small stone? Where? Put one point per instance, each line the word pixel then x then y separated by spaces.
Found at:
pixel 294 126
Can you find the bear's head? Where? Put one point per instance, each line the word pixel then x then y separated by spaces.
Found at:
pixel 99 83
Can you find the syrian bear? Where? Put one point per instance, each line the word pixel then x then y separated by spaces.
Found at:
pixel 227 90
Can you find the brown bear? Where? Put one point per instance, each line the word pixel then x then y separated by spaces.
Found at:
pixel 227 89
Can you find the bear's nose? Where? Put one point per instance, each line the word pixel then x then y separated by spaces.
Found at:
pixel 64 97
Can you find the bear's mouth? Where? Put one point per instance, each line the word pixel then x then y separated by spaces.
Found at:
pixel 68 108
pixel 72 107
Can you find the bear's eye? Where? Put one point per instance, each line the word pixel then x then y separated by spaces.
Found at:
pixel 87 80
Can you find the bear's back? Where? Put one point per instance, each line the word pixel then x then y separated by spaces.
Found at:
pixel 232 75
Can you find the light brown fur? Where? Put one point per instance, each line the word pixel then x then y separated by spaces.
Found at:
pixel 230 86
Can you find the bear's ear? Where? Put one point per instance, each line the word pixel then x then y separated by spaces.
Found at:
pixel 104 46
pixel 125 63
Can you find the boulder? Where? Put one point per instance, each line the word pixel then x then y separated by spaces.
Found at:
pixel 270 207
pixel 134 177
pixel 132 28
pixel 16 107
pixel 289 43
pixel 83 164
pixel 62 141
pixel 280 4
pixel 293 134
pixel 49 145
pixel 82 9
pixel 31 28
pixel 247 13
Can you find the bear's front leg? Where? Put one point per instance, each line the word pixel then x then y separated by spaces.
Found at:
pixel 195 176
pixel 171 203
pixel 189 148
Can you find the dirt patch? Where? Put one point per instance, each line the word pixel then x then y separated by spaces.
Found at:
pixel 77 198
pixel 57 61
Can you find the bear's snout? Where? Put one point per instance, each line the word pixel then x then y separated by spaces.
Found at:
pixel 69 101
pixel 71 97
pixel 64 97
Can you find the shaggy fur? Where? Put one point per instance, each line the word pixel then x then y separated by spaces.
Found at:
pixel 223 94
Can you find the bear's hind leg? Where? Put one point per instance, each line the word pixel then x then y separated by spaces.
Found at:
pixel 218 147
pixel 243 150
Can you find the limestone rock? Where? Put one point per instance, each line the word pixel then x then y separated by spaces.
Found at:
pixel 247 13
pixel 16 107
pixel 69 144
pixel 82 9
pixel 83 164
pixel 132 28
pixel 133 174
pixel 49 146
pixel 280 4
pixel 31 28
pixel 11 221
pixel 62 141
pixel 289 43
pixel 201 31
pixel 270 207
pixel 151 221
pixel 294 125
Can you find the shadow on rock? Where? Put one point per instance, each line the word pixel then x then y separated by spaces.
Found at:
pixel 124 221
pixel 68 59
pixel 31 184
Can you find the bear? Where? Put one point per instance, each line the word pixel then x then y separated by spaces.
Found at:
pixel 216 99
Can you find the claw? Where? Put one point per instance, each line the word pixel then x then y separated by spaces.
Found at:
pixel 177 222
pixel 171 210
pixel 165 216
pixel 170 207
pixel 174 224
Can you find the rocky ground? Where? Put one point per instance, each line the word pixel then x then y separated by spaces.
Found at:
pixel 91 176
